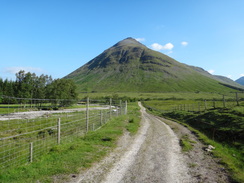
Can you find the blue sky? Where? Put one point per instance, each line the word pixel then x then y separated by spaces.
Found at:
pixel 55 37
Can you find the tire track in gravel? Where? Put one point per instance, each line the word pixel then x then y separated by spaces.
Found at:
pixel 155 156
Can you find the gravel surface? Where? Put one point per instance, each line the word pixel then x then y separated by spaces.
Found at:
pixel 154 155
pixel 160 158
pixel 203 167
pixel 36 114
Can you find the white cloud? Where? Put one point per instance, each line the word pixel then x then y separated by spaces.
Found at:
pixel 211 71
pixel 158 47
pixel 14 70
pixel 140 39
pixel 184 43
pixel 241 75
pixel 168 46
pixel 229 76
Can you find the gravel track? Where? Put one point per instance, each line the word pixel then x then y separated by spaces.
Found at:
pixel 160 158
pixel 154 155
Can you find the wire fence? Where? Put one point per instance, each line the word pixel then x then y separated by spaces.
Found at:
pixel 26 136
pixel 235 102
pixel 203 105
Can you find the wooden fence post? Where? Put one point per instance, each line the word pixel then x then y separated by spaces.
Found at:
pixel 87 114
pixel 237 100
pixel 110 107
pixel 224 101
pixel 101 118
pixel 31 152
pixel 120 107
pixel 59 131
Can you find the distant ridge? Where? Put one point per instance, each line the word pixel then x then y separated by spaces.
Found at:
pixel 221 79
pixel 240 80
pixel 129 66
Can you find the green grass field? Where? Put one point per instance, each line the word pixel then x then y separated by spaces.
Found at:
pixel 163 95
pixel 12 108
pixel 65 159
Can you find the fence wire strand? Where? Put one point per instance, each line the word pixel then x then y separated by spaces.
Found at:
pixel 24 140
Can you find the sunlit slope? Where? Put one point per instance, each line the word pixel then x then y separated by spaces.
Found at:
pixel 129 66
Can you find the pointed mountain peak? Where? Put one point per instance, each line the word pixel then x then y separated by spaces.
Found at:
pixel 129 42
pixel 129 66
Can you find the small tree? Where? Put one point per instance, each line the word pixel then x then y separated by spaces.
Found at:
pixel 63 90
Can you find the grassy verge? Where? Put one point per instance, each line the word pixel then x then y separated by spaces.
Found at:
pixel 78 154
pixel 230 157
pixel 134 120
pixel 186 143
pixel 222 125
pixel 6 109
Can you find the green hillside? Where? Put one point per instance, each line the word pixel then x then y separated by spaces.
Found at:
pixel 129 66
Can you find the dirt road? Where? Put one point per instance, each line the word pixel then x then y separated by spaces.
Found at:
pixel 159 158
pixel 155 155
